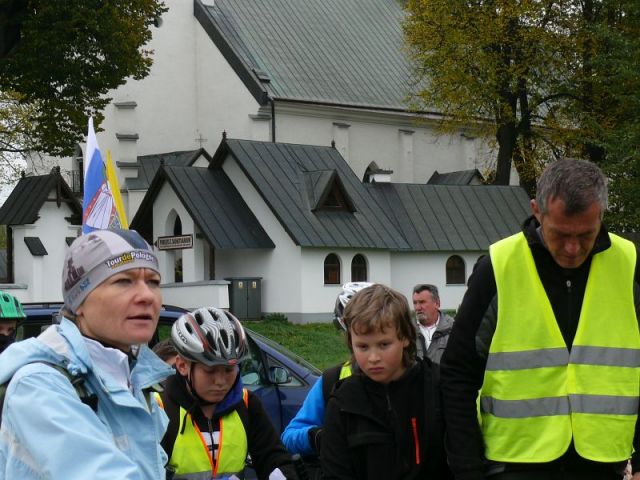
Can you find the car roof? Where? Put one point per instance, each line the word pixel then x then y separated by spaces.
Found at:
pixel 51 308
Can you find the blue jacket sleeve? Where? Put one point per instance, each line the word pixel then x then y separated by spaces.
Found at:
pixel 311 414
pixel 55 434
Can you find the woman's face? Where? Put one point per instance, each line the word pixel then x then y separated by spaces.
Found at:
pixel 123 310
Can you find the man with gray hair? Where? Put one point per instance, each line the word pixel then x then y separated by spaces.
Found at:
pixel 433 326
pixel 547 336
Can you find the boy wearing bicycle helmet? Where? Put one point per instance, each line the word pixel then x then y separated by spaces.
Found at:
pixel 303 434
pixel 214 423
pixel 11 313
pixel 384 422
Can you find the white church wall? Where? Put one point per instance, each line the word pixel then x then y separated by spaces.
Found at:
pixel 25 264
pixel 194 290
pixel 395 141
pixel 224 103
pixel 190 96
pixel 165 101
pixel 318 299
pixel 280 268
pixel 192 295
pixel 409 269
pixel 166 207
pixel 132 202
pixel 41 277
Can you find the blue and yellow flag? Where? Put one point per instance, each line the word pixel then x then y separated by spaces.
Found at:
pixel 102 205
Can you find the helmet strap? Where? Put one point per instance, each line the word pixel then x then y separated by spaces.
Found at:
pixel 192 389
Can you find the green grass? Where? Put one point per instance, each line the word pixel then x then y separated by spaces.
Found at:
pixel 318 343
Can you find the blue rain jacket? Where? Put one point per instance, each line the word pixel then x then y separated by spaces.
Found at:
pixel 311 414
pixel 48 433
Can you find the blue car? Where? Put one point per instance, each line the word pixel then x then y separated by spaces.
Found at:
pixel 281 378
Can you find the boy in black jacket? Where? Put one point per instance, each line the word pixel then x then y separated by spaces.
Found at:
pixel 383 422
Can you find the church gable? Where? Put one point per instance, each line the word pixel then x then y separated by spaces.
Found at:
pixel 23 205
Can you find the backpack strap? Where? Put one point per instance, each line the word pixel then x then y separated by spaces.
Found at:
pixel 329 379
pixel 77 382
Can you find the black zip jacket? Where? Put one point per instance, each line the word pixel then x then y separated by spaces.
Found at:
pixel 375 431
pixel 464 361
pixel 265 448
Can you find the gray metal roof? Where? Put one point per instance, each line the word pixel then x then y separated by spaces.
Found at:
pixel 453 217
pixel 148 165
pixel 461 177
pixel 214 204
pixel 280 172
pixel 345 52
pixel 26 199
pixel 293 180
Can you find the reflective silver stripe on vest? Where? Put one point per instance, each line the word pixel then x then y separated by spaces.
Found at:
pixel 604 404
pixel 537 407
pixel 544 357
pixel 557 357
pixel 608 356
pixel 551 406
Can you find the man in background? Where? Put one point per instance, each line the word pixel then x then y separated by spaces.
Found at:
pixel 433 325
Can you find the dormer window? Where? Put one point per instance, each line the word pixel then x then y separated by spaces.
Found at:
pixel 334 200
pixel 326 192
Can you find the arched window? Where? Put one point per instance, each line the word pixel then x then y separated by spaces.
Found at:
pixel 456 273
pixel 359 268
pixel 177 226
pixel 332 269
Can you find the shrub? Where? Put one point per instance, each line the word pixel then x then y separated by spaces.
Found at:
pixel 276 317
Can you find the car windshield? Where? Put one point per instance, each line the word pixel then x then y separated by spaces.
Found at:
pixel 288 353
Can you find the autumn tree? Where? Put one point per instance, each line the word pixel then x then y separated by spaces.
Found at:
pixel 540 79
pixel 59 59
pixel 606 103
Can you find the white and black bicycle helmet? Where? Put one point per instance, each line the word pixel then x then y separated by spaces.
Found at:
pixel 346 293
pixel 210 336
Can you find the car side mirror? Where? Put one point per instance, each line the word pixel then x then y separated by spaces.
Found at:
pixel 279 375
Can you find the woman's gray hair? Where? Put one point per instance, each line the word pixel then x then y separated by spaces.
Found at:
pixel 579 183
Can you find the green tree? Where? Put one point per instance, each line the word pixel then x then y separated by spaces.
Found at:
pixel 607 93
pixel 15 135
pixel 61 58
pixel 541 79
pixel 486 64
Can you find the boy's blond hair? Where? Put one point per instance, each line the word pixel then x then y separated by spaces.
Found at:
pixel 377 308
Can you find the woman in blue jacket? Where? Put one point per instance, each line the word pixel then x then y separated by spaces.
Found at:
pixel 112 301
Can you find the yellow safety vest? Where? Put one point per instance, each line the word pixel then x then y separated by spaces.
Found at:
pixel 537 396
pixel 191 459
pixel 345 370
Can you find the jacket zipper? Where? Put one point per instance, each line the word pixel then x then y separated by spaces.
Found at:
pixel 214 464
pixel 569 312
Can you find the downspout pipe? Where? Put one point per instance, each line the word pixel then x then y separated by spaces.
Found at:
pixel 273 119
